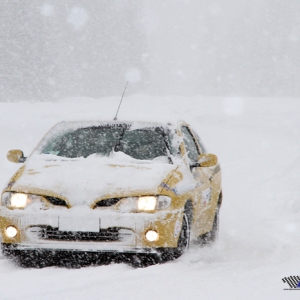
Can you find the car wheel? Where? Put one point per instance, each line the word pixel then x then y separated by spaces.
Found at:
pixel 142 260
pixel 182 245
pixel 211 236
pixel 184 237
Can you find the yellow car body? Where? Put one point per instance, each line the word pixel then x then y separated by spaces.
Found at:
pixel 93 204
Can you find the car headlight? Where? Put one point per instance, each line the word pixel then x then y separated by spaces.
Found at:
pixel 19 200
pixel 144 203
pixel 147 203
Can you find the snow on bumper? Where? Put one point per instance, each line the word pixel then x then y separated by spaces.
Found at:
pixel 101 231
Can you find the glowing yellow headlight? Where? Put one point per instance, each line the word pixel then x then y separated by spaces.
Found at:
pixel 144 203
pixel 18 200
pixel 147 203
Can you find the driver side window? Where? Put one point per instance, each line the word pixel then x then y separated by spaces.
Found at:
pixel 190 144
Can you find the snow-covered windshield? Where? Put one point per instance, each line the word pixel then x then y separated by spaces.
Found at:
pixel 143 144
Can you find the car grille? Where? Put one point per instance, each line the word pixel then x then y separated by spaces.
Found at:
pixel 104 235
pixel 56 201
pixel 107 202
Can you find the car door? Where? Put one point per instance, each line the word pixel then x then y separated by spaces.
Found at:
pixel 215 178
pixel 202 192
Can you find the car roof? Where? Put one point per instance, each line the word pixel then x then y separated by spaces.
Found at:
pixel 132 124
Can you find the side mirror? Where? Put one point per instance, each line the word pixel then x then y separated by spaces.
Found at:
pixel 205 160
pixel 16 156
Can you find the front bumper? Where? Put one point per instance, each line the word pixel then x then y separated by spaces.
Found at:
pixel 129 230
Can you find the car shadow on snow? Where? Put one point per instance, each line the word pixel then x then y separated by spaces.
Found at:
pixel 74 260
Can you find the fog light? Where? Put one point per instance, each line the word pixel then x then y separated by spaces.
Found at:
pixel 151 236
pixel 11 231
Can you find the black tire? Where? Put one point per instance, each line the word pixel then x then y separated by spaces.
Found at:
pixel 141 260
pixel 182 244
pixel 184 237
pixel 212 236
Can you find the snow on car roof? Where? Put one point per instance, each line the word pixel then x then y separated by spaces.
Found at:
pixel 134 124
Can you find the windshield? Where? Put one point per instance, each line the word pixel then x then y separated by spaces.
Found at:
pixel 143 144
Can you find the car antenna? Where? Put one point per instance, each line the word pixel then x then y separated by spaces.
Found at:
pixel 115 118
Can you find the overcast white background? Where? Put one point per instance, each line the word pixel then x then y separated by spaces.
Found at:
pixel 61 48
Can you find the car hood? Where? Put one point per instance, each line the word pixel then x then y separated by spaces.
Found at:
pixel 82 181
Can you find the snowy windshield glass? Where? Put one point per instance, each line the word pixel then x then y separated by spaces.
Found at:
pixel 144 144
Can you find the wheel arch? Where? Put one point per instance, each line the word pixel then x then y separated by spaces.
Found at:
pixel 189 210
pixel 220 199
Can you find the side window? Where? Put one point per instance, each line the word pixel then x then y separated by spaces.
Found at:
pixel 190 144
pixel 202 148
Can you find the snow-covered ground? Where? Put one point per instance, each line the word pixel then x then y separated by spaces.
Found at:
pixel 257 142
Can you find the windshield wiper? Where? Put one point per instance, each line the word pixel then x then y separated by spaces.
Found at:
pixel 168 148
pixel 118 144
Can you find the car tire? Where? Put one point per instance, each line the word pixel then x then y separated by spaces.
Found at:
pixel 142 260
pixel 183 243
pixel 184 237
pixel 211 236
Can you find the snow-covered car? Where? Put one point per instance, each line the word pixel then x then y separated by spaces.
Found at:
pixel 147 189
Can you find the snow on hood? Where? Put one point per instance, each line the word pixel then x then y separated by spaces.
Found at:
pixel 83 180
